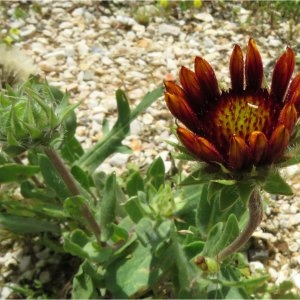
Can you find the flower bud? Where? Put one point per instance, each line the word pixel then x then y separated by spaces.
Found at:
pixel 32 114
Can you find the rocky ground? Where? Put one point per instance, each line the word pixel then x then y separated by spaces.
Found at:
pixel 92 48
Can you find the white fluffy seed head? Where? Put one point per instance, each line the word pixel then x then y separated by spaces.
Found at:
pixel 15 66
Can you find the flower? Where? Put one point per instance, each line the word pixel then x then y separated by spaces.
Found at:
pixel 245 125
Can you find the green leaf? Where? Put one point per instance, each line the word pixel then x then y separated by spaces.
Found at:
pixel 108 206
pixel 205 212
pixel 73 208
pixel 71 150
pixel 125 278
pixel 245 189
pixel 156 173
pixel 206 173
pixel 194 248
pixel 84 284
pixel 26 225
pixel 112 140
pixel 12 172
pixel 275 184
pixel 228 197
pixel 220 236
pixel 29 190
pixel 135 209
pixel 81 177
pixel 131 275
pixel 79 244
pixel 134 184
pixel 52 178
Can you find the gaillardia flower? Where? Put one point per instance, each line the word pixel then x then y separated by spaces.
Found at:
pixel 245 125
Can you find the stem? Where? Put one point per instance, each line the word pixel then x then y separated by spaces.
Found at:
pixel 255 217
pixel 70 182
pixel 62 170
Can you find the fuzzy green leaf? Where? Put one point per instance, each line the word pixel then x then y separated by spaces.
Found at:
pixel 14 172
pixel 156 173
pixel 134 184
pixel 26 225
pixel 52 178
pixel 228 197
pixel 108 206
pixel 275 184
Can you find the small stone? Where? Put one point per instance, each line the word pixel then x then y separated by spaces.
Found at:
pixel 293 247
pixel 204 17
pixel 147 119
pixel 28 31
pixel 88 75
pixel 274 42
pixel 106 61
pixel 294 219
pixel 256 267
pixel 5 292
pixel 136 127
pixel 296 278
pixel 47 67
pixel 118 160
pixel 167 29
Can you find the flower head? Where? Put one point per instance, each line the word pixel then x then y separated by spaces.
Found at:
pixel 244 126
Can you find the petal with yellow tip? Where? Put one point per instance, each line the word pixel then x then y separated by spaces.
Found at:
pixel 278 142
pixel 259 146
pixel 239 153
pixel 288 117
pixel 173 88
pixel 199 146
pixel 181 110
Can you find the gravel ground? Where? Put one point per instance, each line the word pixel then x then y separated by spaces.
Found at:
pixel 92 48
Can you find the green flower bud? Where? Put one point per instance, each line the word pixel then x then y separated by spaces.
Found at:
pixel 32 114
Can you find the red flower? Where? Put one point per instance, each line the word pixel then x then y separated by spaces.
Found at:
pixel 244 126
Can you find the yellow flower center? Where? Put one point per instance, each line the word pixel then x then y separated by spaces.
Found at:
pixel 240 115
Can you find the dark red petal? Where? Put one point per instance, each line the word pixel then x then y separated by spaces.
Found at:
pixel 278 142
pixel 259 146
pixel 191 88
pixel 207 78
pixel 293 93
pixel 282 73
pixel 236 67
pixel 174 88
pixel 181 110
pixel 253 67
pixel 288 117
pixel 239 153
pixel 199 146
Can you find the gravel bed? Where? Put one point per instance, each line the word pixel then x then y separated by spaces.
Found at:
pixel 92 48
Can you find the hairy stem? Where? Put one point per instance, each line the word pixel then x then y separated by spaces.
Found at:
pixel 255 217
pixel 70 182
pixel 61 168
